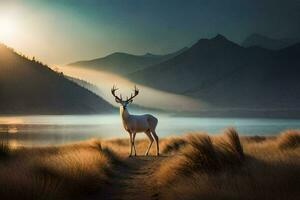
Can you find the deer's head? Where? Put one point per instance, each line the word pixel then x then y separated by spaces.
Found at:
pixel 120 100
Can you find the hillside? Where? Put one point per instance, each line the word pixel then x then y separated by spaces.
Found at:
pixel 266 42
pixel 230 77
pixel 29 87
pixel 85 84
pixel 123 63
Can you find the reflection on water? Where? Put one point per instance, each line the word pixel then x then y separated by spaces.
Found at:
pixel 39 130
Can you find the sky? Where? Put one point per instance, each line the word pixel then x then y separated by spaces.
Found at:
pixel 63 31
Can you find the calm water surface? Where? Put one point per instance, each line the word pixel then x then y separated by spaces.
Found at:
pixel 40 130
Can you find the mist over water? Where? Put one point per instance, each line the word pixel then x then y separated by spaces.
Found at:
pixel 60 129
pixel 148 97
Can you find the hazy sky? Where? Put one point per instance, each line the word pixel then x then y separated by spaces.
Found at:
pixel 63 31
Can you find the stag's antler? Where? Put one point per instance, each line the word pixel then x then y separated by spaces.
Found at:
pixel 113 92
pixel 136 92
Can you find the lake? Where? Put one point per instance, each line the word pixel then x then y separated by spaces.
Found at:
pixel 45 130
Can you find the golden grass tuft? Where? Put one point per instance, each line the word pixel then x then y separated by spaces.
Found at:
pixel 208 156
pixel 173 144
pixel 4 149
pixel 201 155
pixel 230 150
pixel 289 139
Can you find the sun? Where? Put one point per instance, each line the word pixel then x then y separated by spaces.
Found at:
pixel 7 29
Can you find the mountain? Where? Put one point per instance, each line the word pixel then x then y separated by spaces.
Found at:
pixel 266 42
pixel 29 87
pixel 123 63
pixel 231 78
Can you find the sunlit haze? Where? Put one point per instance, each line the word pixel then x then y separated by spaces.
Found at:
pixel 148 97
pixel 8 28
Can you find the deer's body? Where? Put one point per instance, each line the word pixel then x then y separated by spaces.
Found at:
pixel 134 124
pixel 137 123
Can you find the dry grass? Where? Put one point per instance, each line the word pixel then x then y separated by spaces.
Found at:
pixel 4 150
pixel 63 172
pixel 193 166
pixel 234 144
pixel 289 139
pixel 227 167
pixel 172 144
pixel 203 155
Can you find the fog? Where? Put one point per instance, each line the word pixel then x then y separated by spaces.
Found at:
pixel 148 97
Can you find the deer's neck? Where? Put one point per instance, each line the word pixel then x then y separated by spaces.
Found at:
pixel 124 113
pixel 125 118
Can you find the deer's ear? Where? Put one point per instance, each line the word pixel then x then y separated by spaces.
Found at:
pixel 130 101
pixel 117 100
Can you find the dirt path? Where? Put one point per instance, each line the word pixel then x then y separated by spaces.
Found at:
pixel 135 181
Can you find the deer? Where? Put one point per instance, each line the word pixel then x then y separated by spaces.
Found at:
pixel 134 124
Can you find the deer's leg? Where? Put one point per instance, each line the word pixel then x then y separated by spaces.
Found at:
pixel 133 142
pixel 156 141
pixel 151 141
pixel 130 141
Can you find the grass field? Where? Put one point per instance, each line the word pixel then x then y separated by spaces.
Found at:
pixel 192 166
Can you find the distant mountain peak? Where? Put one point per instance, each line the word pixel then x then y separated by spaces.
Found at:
pixel 117 54
pixel 219 37
pixel 219 41
pixel 151 55
pixel 125 63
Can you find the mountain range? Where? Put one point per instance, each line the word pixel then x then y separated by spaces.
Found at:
pixel 124 63
pixel 231 78
pixel 29 87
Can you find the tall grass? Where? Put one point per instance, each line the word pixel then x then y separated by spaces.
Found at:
pixel 235 145
pixel 289 139
pixel 63 172
pixel 230 167
pixel 173 144
pixel 4 149
pixel 201 156
pixel 194 166
pixel 230 150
